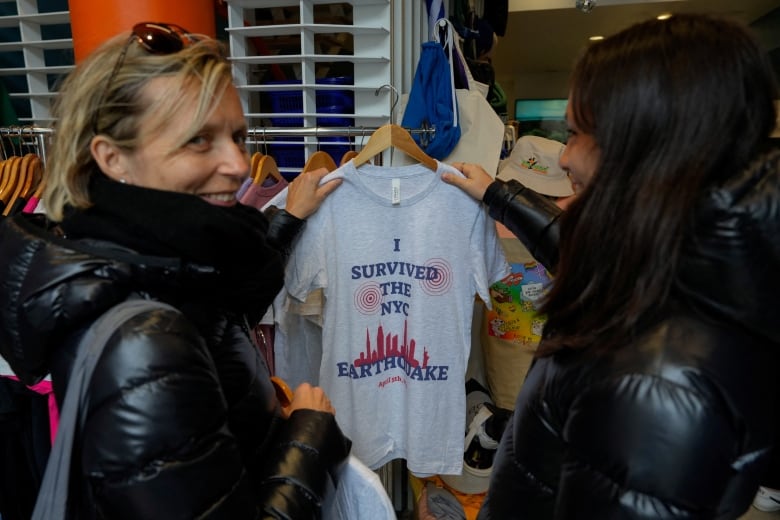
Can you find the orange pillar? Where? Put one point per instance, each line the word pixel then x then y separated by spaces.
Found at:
pixel 94 21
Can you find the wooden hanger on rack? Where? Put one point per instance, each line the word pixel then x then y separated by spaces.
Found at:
pixel 38 193
pixel 28 174
pixel 253 163
pixel 4 176
pixel 320 159
pixel 394 136
pixel 348 156
pixel 11 178
pixel 265 168
pixel 35 173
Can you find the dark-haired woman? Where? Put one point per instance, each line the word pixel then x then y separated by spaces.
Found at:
pixel 655 389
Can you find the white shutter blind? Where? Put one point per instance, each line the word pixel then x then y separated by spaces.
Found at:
pixel 33 57
pixel 315 63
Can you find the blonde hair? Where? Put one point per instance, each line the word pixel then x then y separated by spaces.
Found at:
pixel 94 98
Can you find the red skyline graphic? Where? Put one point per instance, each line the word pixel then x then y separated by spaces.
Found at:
pixel 387 346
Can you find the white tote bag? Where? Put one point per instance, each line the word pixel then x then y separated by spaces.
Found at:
pixel 481 130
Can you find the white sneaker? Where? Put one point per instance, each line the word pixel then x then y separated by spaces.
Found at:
pixel 767 499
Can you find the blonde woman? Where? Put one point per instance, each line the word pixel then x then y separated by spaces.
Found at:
pixel 182 418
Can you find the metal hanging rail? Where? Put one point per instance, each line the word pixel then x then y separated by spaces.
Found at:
pixel 257 134
pixel 330 131
pixel 28 137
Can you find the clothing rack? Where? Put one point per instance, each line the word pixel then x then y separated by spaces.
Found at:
pixel 279 140
pixel 38 136
pixel 18 140
pixel 260 135
pixel 329 131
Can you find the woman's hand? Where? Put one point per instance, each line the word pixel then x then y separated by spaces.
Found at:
pixel 475 181
pixel 305 195
pixel 307 397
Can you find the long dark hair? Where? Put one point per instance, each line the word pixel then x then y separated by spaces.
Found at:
pixel 674 106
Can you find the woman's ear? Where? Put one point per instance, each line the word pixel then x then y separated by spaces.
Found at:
pixel 111 159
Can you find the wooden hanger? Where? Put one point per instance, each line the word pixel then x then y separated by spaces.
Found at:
pixel 253 162
pixel 23 182
pixel 35 173
pixel 3 176
pixel 38 193
pixel 19 177
pixel 11 175
pixel 395 136
pixel 265 168
pixel 349 155
pixel 320 159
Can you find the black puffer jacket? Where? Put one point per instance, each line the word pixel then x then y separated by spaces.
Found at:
pixel 182 420
pixel 679 423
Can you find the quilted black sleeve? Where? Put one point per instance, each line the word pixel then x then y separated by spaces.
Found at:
pixel 532 218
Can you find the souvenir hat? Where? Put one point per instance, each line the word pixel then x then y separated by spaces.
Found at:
pixel 534 163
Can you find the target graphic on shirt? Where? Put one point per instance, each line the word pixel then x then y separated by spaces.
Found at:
pixel 368 298
pixel 441 282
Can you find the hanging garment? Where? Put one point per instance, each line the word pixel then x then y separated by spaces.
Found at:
pixel 359 494
pixel 399 256
pixel 258 195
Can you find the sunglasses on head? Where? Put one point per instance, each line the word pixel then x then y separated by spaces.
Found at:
pixel 155 38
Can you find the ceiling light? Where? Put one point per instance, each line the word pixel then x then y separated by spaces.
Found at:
pixel 596 38
pixel 664 16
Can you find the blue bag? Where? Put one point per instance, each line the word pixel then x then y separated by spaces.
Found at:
pixel 432 102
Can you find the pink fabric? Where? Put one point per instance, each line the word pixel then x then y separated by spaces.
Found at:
pixel 31 206
pixel 258 196
pixel 45 388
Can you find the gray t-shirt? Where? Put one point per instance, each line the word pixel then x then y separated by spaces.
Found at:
pixel 400 256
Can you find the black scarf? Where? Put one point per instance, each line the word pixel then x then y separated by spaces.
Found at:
pixel 228 243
